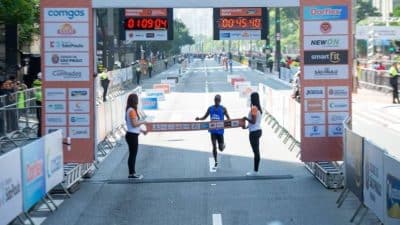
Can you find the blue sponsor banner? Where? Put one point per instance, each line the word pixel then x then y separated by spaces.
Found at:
pixel 33 173
pixel 333 12
pixel 150 103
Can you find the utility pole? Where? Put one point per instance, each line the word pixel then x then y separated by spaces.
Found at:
pixel 278 39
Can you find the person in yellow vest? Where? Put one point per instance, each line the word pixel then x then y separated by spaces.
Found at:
pixel 105 81
pixel 138 73
pixel 21 98
pixel 394 74
pixel 150 68
pixel 37 84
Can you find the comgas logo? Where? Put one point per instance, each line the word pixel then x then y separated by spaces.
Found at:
pixel 70 14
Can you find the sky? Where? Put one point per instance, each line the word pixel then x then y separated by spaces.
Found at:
pixel 199 21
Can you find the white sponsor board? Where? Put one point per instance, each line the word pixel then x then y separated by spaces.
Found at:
pixel 314 105
pixel 240 34
pixel 170 82
pixel 67 73
pixel 378 32
pixel 55 94
pixel 373 179
pixel 146 35
pixel 66 44
pixel 326 42
pixel 338 92
pixel 338 105
pixel 230 77
pixel 66 14
pixel 78 93
pixel 335 130
pixel 312 131
pixel 55 107
pixel 391 190
pixel 54 158
pixel 326 27
pixel 53 129
pixel 156 93
pixel 79 132
pixel 66 29
pixel 241 83
pixel 337 117
pixel 67 59
pixel 79 119
pixel 56 119
pixel 79 107
pixel 326 72
pixel 314 92
pixel 314 118
pixel 10 186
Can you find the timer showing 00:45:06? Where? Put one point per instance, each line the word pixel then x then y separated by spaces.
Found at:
pixel 251 23
pixel 146 23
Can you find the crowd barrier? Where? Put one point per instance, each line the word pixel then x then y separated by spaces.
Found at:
pixel 33 170
pixel 375 79
pixel 373 176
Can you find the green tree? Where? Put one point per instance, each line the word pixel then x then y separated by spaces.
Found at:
pixel 365 9
pixel 396 11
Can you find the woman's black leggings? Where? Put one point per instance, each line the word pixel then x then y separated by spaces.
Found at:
pixel 254 137
pixel 133 141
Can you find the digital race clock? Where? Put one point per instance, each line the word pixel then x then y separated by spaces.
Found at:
pixel 239 23
pixel 146 23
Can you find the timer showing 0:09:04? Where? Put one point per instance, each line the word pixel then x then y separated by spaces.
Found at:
pixel 252 23
pixel 146 23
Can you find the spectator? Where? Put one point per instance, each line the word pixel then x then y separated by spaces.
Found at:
pixel 150 68
pixel 105 81
pixel 37 84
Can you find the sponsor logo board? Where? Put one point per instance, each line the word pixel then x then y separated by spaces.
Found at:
pixel 314 131
pixel 66 14
pixel 338 105
pixel 66 74
pixel 66 29
pixel 56 119
pixel 149 103
pixel 338 92
pixel 314 118
pixel 337 117
pixel 55 93
pixel 66 44
pixel 325 27
pixel 145 35
pixel 314 105
pixel 240 35
pixel 67 59
pixel 314 92
pixel 54 129
pixel 335 130
pixel 79 132
pixel 79 107
pixel 55 107
pixel 79 119
pixel 78 93
pixel 326 42
pixel 325 57
pixel 326 72
pixel 334 12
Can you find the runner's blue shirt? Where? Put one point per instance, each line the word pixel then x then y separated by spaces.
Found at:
pixel 216 113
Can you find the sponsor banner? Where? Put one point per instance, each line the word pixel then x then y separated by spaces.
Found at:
pixel 236 80
pixel 353 155
pixel 326 27
pixel 240 12
pixel 391 190
pixel 66 14
pixel 55 106
pixel 313 131
pixel 49 130
pixel 67 59
pixel 326 42
pixel 66 29
pixel 53 150
pixel 66 74
pixel 146 12
pixel 194 126
pixel 245 91
pixel 78 93
pixel 159 94
pixel 338 105
pixel 240 34
pixel 66 44
pixel 230 77
pixel 314 105
pixel 164 87
pixel 332 12
pixel 373 179
pixel 338 92
pixel 314 92
pixel 55 94
pixel 314 118
pixel 79 119
pixel 337 117
pixel 241 83
pixel 79 132
pixel 33 173
pixel 79 107
pixel 326 72
pixel 56 119
pixel 379 32
pixel 326 57
pixel 335 130
pixel 170 82
pixel 146 35
pixel 149 103
pixel 10 186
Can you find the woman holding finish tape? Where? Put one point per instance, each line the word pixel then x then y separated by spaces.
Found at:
pixel 133 124
pixel 255 132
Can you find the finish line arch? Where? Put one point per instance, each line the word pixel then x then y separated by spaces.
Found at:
pixel 68 70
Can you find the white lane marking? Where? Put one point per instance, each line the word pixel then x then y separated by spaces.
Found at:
pixel 211 163
pixel 217 219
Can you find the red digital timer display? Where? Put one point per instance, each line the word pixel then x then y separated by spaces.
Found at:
pixel 146 23
pixel 240 23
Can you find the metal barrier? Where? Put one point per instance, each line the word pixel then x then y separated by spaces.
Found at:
pixel 375 79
